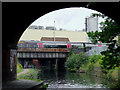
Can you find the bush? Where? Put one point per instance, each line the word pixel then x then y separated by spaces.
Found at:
pixel 94 61
pixel 31 75
pixel 90 67
pixel 75 61
pixel 95 58
pixel 19 67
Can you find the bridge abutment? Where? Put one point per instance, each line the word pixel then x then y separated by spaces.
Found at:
pixel 36 63
pixel 60 64
pixel 9 64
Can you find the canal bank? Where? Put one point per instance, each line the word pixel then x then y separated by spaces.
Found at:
pixel 92 65
pixel 27 80
pixel 21 85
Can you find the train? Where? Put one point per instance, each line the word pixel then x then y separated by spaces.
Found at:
pixel 37 44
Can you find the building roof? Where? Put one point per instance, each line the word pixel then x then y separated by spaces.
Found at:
pixel 73 36
pixel 56 39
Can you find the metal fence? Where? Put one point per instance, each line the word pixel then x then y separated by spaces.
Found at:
pixel 95 50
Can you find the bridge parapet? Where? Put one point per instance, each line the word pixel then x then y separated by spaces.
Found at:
pixel 43 50
pixel 42 55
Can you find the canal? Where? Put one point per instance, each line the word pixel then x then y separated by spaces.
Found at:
pixel 62 78
pixel 71 80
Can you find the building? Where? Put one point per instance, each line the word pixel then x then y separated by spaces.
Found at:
pixel 41 27
pixel 50 28
pixel 91 23
pixel 59 39
pixel 36 35
pixel 36 27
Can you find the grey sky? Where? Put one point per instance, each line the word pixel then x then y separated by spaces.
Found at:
pixel 67 18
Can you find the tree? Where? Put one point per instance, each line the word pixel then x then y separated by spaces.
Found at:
pixel 110 29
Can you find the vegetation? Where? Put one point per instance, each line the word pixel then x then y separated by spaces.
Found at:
pixel 94 62
pixel 110 60
pixel 19 67
pixel 92 65
pixel 45 86
pixel 75 61
pixel 110 29
pixel 31 75
pixel 95 58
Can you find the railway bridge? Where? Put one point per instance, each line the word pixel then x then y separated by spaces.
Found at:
pixel 38 57
pixel 42 52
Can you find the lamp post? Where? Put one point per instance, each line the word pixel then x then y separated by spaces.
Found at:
pixel 54 31
pixel 86 24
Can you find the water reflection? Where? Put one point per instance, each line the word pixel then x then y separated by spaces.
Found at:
pixel 65 79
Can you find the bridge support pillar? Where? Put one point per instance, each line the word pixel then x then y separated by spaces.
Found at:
pixel 60 64
pixel 36 63
pixel 84 47
pixel 56 64
pixel 9 64
pixel 50 65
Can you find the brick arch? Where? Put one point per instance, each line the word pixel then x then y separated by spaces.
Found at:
pixel 18 16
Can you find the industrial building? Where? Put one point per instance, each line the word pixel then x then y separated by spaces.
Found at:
pixel 36 35
pixel 91 23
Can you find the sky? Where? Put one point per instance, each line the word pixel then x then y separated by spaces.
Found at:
pixel 68 18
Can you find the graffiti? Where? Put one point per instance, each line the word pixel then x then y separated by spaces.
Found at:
pixel 12 58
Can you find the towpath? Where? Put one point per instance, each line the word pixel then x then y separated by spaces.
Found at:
pixel 25 71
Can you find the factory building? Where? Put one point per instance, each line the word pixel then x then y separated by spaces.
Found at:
pixel 91 24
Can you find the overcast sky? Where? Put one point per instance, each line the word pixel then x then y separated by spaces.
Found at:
pixel 67 18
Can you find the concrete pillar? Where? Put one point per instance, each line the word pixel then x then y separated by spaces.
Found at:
pixel 84 47
pixel 60 64
pixel 51 62
pixel 5 65
pixel 56 64
pixel 36 63
pixel 9 64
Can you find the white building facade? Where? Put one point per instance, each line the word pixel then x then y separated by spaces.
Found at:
pixel 92 24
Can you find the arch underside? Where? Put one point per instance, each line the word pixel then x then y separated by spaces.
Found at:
pixel 18 16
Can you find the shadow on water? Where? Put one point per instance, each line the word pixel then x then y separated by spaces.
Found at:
pixel 51 75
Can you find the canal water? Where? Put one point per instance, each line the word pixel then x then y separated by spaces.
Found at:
pixel 70 80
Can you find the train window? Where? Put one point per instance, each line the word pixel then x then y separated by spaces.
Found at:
pixel 27 45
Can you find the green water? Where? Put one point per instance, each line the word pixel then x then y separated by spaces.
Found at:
pixel 70 80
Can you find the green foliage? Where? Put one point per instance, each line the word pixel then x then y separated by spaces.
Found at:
pixel 71 52
pixel 44 87
pixel 19 70
pixel 110 61
pixel 94 62
pixel 93 36
pixel 110 29
pixel 119 39
pixel 31 75
pixel 19 67
pixel 90 67
pixel 113 74
pixel 75 61
pixel 95 58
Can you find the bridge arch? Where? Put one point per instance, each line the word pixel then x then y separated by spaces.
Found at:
pixel 18 16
